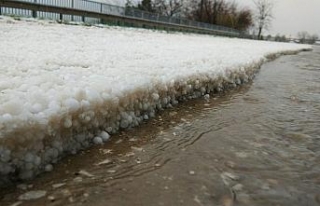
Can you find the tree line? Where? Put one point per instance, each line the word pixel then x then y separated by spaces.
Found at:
pixel 224 13
pixel 218 12
pixel 306 38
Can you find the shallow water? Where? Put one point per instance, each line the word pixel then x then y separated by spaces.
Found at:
pixel 256 145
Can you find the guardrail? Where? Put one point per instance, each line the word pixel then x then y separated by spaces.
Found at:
pixel 96 12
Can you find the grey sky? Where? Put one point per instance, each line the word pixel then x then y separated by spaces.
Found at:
pixel 292 16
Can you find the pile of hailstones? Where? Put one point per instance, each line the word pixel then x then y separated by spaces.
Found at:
pixel 30 164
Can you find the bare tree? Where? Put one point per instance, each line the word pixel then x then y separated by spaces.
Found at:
pixel 244 20
pixel 220 12
pixel 168 7
pixel 236 18
pixel 208 11
pixel 314 38
pixel 202 2
pixel 146 5
pixel 195 10
pixel 305 38
pixel 264 15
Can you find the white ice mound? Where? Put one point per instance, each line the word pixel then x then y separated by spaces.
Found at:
pixel 63 88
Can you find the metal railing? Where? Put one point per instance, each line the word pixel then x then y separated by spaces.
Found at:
pixel 102 8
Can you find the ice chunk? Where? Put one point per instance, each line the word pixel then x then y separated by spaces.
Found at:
pixel 29 157
pixel 105 136
pixel 72 104
pixel 36 108
pixel 67 122
pixel 48 168
pixel 124 124
pixel 155 96
pixel 97 140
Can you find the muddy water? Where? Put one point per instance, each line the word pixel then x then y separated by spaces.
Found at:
pixel 256 145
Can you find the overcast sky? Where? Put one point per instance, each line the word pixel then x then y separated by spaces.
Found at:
pixel 292 16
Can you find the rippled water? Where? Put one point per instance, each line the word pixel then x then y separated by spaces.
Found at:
pixel 257 145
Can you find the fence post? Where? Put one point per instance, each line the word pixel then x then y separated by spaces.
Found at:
pixel 101 20
pixel 34 13
pixel 72 6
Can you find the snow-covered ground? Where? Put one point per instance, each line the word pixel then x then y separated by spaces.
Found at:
pixel 64 87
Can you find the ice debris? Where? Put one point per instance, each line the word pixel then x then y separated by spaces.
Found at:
pixel 78 86
pixel 32 195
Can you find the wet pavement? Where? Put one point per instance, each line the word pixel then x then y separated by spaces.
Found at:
pixel 256 145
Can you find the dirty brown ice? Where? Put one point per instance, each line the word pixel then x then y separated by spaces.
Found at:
pixel 257 145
